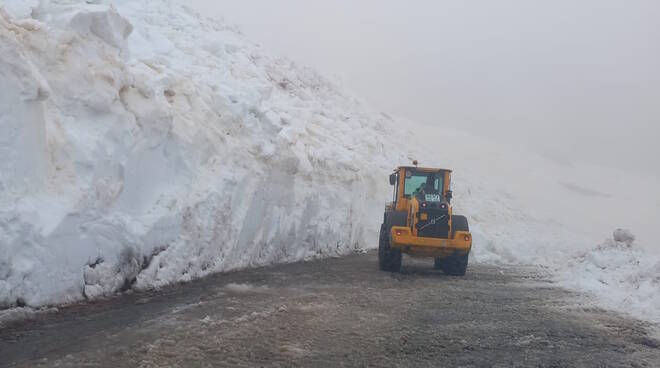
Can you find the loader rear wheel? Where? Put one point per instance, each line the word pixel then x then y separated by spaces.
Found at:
pixel 388 259
pixel 455 265
pixel 459 223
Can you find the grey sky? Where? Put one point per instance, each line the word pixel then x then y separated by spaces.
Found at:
pixel 578 80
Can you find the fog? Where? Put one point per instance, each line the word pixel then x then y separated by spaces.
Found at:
pixel 577 81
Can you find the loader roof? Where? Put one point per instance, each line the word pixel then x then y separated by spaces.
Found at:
pixel 424 169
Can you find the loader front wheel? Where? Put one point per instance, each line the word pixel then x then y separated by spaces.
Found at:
pixel 388 259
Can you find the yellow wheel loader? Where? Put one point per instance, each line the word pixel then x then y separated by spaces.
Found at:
pixel 419 222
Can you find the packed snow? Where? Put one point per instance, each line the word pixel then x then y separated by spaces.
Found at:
pixel 144 144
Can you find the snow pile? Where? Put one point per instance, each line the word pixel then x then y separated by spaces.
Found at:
pixel 7 316
pixel 620 275
pixel 142 146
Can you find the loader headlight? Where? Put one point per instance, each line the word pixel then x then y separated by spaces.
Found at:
pixel 466 237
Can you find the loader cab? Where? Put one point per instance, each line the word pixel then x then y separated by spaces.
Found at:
pixel 409 181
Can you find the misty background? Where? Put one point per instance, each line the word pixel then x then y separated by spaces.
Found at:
pixel 575 81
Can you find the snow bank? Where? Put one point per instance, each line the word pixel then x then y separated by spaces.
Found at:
pixel 145 145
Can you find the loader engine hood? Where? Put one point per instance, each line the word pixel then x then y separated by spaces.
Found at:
pixel 432 218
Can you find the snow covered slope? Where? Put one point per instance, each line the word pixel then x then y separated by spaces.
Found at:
pixel 145 145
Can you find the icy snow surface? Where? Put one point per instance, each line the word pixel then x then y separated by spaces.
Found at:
pixel 143 145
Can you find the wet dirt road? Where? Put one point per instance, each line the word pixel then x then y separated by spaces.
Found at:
pixel 337 312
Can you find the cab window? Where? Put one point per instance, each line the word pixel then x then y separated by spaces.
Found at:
pixel 417 180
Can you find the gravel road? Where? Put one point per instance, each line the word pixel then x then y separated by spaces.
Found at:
pixel 333 313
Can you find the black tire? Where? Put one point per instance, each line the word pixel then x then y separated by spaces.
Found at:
pixel 459 223
pixel 438 263
pixel 455 265
pixel 388 259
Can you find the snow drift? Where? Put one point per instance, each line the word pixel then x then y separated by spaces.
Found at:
pixel 145 145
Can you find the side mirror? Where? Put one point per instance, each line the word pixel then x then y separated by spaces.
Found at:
pixel 392 179
pixel 449 195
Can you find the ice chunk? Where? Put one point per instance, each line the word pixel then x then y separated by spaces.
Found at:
pixel 624 236
pixel 108 25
